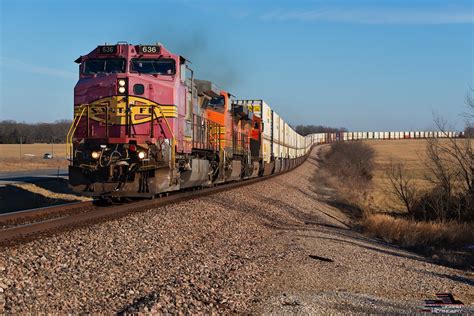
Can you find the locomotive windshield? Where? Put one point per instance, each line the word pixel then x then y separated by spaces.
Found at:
pixel 104 65
pixel 217 102
pixel 154 66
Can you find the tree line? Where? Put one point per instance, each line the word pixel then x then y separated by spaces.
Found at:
pixel 12 132
pixel 311 129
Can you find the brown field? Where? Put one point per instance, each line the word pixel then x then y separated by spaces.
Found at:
pixel 14 157
pixel 411 153
pixel 440 237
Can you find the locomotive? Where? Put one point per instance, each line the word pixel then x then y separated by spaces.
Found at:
pixel 144 126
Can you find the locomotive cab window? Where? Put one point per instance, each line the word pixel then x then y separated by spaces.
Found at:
pixel 217 102
pixel 154 66
pixel 104 65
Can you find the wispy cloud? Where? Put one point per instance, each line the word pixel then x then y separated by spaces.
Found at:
pixel 22 66
pixel 371 16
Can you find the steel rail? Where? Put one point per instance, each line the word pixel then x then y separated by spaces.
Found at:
pixel 36 212
pixel 16 233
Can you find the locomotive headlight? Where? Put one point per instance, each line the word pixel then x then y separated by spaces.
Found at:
pixel 95 154
pixel 141 154
pixel 121 83
pixel 121 89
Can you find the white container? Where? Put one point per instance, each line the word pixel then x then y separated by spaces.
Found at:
pixel 283 147
pixel 276 134
pixel 267 119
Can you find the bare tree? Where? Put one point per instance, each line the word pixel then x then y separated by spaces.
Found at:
pixel 450 169
pixel 470 99
pixel 458 153
pixel 404 188
pixel 351 161
pixel 449 165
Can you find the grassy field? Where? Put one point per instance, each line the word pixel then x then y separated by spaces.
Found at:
pixel 411 153
pixel 14 157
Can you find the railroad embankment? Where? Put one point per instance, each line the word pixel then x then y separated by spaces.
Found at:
pixel 411 193
pixel 274 247
pixel 35 193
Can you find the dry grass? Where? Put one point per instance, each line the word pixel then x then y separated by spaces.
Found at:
pixel 412 234
pixel 412 153
pixel 348 168
pixel 30 157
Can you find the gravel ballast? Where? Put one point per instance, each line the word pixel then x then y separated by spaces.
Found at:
pixel 270 247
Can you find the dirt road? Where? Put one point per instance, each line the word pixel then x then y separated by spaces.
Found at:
pixel 271 247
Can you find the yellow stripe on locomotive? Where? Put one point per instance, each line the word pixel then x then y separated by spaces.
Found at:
pixel 141 110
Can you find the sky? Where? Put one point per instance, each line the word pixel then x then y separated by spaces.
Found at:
pixel 359 64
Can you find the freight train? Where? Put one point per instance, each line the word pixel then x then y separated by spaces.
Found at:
pixel 144 125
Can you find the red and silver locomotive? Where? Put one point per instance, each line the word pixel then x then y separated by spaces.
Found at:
pixel 144 125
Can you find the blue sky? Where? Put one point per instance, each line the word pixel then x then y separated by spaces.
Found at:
pixel 361 64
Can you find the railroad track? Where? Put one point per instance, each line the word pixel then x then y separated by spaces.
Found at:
pixel 26 225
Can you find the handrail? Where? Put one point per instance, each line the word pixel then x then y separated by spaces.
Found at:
pixel 173 149
pixel 83 107
pixel 72 130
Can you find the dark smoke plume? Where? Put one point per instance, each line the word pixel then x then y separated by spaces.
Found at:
pixel 208 56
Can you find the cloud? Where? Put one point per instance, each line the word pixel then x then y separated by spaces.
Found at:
pixel 371 16
pixel 22 66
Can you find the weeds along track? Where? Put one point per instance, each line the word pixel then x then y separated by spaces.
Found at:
pixel 30 224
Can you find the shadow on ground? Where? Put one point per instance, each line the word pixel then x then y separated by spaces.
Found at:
pixel 13 198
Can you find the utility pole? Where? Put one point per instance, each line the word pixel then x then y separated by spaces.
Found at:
pixel 21 156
